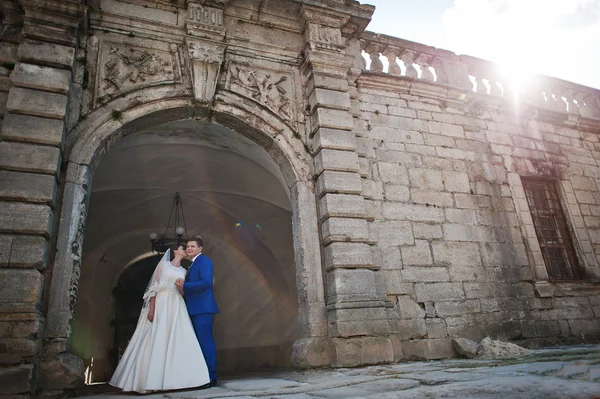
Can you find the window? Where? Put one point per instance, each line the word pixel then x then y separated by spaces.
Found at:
pixel 551 230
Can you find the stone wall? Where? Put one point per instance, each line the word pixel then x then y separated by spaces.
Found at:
pixel 410 223
pixel 451 227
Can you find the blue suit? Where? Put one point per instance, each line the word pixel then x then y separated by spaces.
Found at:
pixel 202 307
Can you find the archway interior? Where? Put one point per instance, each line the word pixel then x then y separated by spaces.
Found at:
pixel 233 196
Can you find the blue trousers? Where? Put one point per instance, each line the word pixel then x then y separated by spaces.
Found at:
pixel 203 326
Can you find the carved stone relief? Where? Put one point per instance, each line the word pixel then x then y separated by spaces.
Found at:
pixel 205 21
pixel 123 68
pixel 205 60
pixel 272 89
pixel 325 38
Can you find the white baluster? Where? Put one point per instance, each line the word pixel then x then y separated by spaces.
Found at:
pixel 408 58
pixel 423 61
pixel 373 51
pixel 391 54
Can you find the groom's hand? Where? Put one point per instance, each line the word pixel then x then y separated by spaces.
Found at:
pixel 179 285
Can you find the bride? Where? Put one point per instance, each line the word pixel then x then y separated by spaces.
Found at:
pixel 164 352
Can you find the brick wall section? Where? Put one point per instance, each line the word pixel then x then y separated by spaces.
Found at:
pixel 457 248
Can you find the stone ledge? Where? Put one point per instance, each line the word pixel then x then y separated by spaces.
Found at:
pixel 37 103
pixel 20 218
pixel 27 187
pixel 42 53
pixel 41 78
pixel 32 129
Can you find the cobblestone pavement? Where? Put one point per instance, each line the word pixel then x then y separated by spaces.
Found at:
pixel 562 372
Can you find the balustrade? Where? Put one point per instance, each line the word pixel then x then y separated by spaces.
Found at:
pixel 427 63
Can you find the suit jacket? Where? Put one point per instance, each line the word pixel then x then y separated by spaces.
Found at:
pixel 198 287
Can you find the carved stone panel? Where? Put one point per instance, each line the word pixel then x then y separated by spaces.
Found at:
pixel 205 60
pixel 325 38
pixel 204 21
pixel 270 88
pixel 123 68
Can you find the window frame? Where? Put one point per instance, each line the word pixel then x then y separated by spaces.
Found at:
pixel 554 214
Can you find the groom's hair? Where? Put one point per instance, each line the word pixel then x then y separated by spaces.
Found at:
pixel 197 240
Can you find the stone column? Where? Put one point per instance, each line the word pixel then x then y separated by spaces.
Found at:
pixel 31 142
pixel 356 314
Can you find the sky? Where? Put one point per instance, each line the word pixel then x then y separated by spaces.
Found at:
pixel 559 38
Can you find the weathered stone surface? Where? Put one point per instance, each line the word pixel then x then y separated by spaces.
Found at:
pixel 46 54
pixel 492 349
pixel 465 347
pixel 27 187
pixel 346 254
pixel 8 52
pixel 342 205
pixel 344 161
pixel 62 372
pixel 311 352
pixel 16 380
pixel 29 158
pixel 37 103
pixel 20 290
pixel 339 182
pixel 365 350
pixel 29 251
pixel 428 349
pixel 33 129
pixel 390 233
pixel 41 78
pixel 5 244
pixel 344 230
pixel 16 217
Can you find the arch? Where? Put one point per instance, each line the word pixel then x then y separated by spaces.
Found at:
pixel 90 140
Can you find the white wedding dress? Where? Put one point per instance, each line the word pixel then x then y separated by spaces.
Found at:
pixel 163 354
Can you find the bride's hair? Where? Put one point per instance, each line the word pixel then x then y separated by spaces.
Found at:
pixel 174 248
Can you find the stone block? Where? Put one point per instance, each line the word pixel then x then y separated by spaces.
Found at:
pixel 397 346
pixel 27 187
pixel 372 189
pixel 470 233
pixel 434 198
pixel 427 179
pixel 425 274
pixel 412 212
pixel 5 245
pixel 417 255
pixel 8 53
pixel 446 129
pixel 20 325
pixel 392 173
pixel 456 181
pixel 20 290
pixel 357 321
pixel 22 218
pixel 344 230
pixel 335 139
pixel 434 292
pixel 457 308
pixel 352 352
pixel 311 352
pixel 547 328
pixel 347 254
pixel 17 380
pixel 29 252
pixel 590 327
pixel 49 54
pixel 436 140
pixel 29 158
pixel 342 205
pixel 22 347
pixel 456 253
pixel 329 99
pixel 41 78
pixel 391 233
pixel 409 309
pixel 333 119
pixel 339 183
pixel 33 130
pixel 62 372
pixel 427 231
pixel 436 328
pixel 411 329
pixel 344 161
pixel 3 102
pixel 461 216
pixel 37 103
pixel 428 349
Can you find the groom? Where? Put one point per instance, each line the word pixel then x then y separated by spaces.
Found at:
pixel 201 304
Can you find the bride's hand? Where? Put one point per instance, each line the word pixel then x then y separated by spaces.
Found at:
pixel 151 316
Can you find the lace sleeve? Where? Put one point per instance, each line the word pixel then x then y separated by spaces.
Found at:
pixel 156 283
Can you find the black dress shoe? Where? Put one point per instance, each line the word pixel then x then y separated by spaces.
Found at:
pixel 211 384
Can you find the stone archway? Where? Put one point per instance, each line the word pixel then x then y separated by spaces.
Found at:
pixel 96 135
pixel 234 197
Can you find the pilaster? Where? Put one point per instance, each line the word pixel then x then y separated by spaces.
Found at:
pixel 355 310
pixel 31 151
